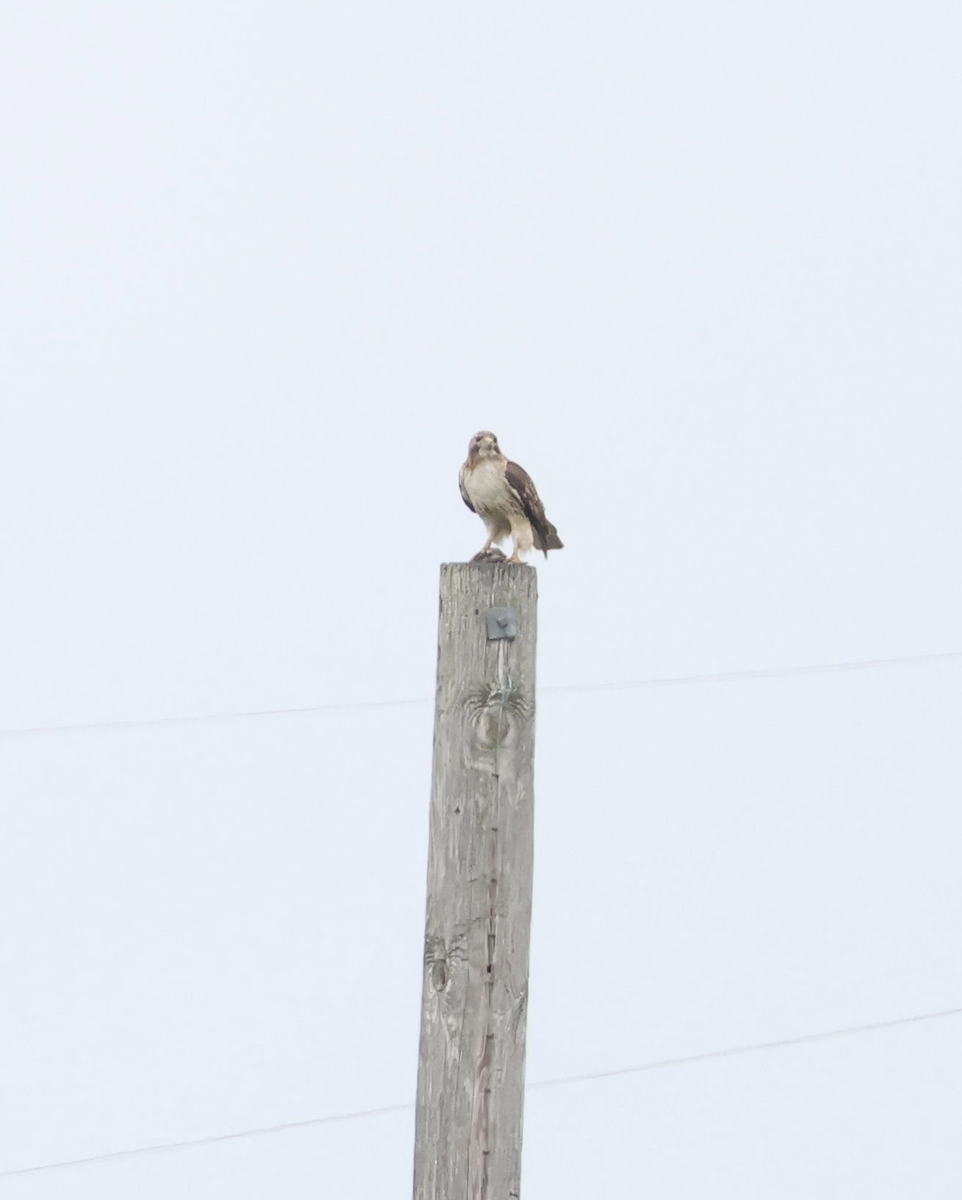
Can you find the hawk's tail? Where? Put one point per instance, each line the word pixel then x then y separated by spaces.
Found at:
pixel 547 539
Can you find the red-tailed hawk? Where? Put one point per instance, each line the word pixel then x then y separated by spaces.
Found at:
pixel 503 496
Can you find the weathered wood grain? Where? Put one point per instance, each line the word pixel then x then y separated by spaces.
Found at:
pixel 474 1006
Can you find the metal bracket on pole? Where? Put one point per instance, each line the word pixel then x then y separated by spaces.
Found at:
pixel 502 623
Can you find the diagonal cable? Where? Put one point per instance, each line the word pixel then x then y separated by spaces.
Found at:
pixel 564 1080
pixel 623 685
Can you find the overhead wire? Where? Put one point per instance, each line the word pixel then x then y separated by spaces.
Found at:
pixel 564 1080
pixel 569 1080
pixel 623 685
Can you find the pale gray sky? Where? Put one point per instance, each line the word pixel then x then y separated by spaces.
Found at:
pixel 265 269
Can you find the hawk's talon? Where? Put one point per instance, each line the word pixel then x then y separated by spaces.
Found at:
pixel 490 555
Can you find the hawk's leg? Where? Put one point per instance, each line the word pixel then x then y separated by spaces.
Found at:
pixel 522 540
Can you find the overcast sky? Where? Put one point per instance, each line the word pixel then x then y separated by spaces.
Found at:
pixel 264 269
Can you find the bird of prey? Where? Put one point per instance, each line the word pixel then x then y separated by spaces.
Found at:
pixel 503 496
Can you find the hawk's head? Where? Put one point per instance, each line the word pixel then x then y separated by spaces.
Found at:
pixel 483 445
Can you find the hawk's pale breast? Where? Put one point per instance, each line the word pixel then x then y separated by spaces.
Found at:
pixel 488 490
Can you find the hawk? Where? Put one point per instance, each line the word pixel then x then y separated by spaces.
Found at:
pixel 503 496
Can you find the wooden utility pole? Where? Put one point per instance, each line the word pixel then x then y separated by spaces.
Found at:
pixel 474 1007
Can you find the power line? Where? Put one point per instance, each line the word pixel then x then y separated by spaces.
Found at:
pixel 751 1048
pixel 229 715
pixel 626 685
pixel 206 1141
pixel 565 1080
pixel 763 673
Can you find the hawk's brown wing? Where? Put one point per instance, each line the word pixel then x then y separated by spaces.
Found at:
pixel 545 535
